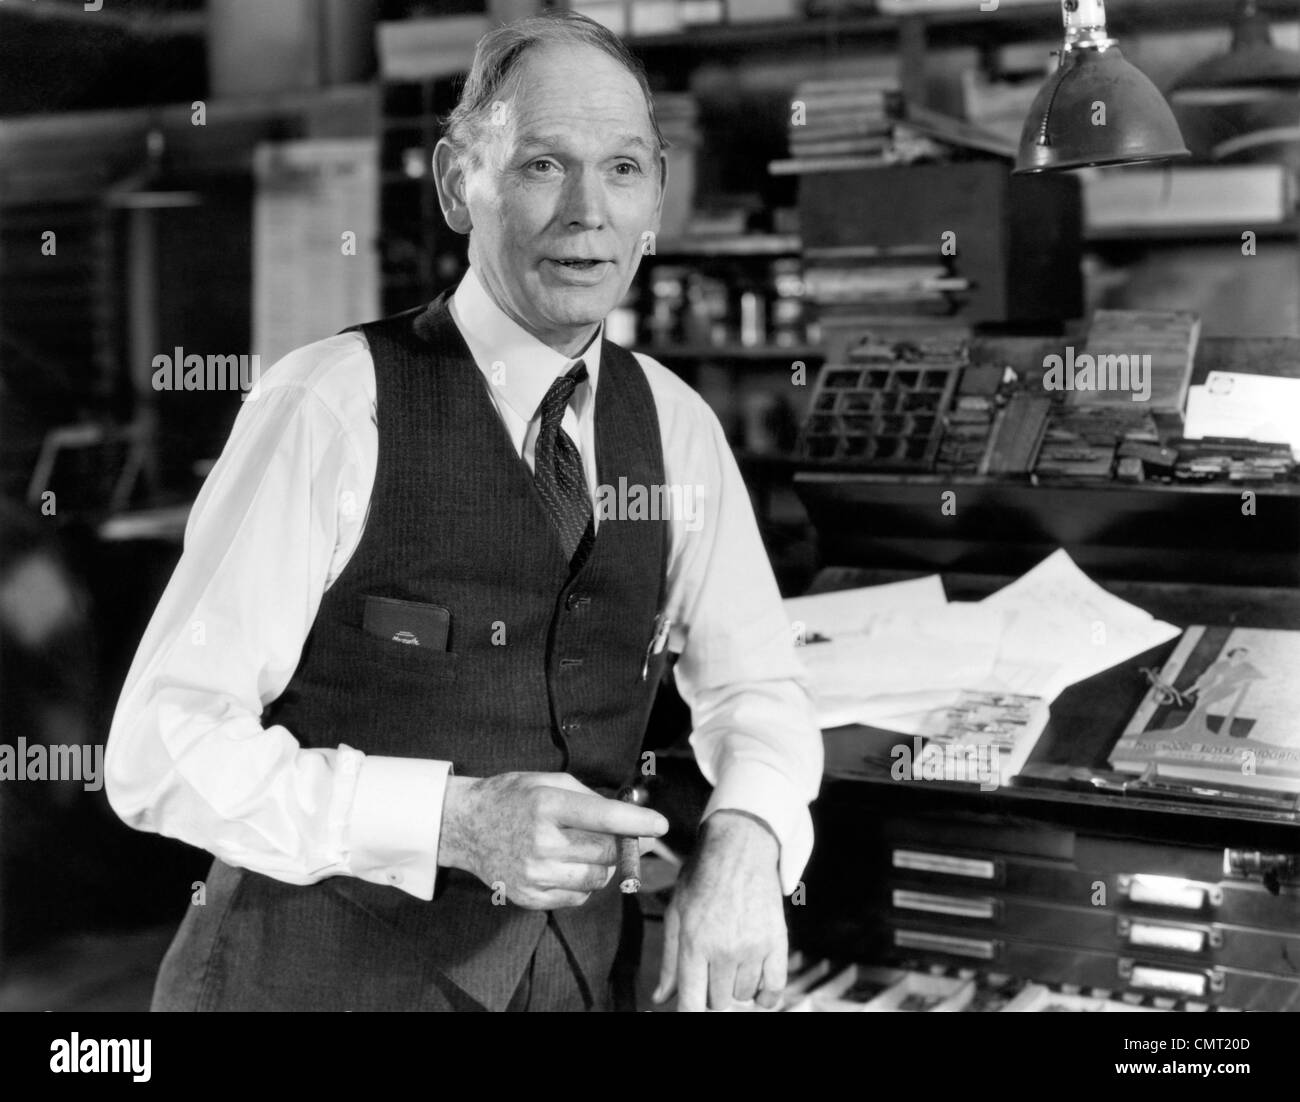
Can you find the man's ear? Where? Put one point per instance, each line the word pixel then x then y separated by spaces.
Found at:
pixel 663 187
pixel 449 179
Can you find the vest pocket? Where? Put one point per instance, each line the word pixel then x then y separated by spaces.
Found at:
pixel 394 657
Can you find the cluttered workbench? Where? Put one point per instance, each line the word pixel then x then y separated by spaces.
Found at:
pixel 1138 843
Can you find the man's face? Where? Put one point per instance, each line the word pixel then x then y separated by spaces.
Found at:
pixel 568 185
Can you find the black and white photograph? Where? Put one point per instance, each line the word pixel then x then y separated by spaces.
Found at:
pixel 651 506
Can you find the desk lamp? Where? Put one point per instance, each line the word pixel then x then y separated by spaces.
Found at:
pixel 1254 69
pixel 1097 108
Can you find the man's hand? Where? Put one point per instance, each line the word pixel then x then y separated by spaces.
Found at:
pixel 724 934
pixel 547 838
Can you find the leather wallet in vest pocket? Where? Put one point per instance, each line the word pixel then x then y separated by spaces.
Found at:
pixel 407 623
pixel 391 653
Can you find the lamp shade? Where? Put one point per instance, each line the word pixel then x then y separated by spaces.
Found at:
pixel 1254 69
pixel 1244 75
pixel 1097 109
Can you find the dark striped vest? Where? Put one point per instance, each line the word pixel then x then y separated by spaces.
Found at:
pixel 543 666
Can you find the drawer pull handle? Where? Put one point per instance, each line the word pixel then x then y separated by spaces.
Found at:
pixel 978 948
pixel 1178 939
pixel 942 863
pixel 970 907
pixel 1145 977
pixel 1169 891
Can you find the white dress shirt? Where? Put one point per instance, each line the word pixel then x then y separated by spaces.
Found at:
pixel 274 525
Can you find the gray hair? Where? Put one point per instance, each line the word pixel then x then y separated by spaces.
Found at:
pixel 495 71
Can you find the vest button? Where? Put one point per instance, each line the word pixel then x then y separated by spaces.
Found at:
pixel 573 600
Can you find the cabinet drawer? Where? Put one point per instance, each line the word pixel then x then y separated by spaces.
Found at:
pixel 1119 973
pixel 1173 940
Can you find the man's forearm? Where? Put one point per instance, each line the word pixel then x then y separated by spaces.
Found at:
pixel 757 819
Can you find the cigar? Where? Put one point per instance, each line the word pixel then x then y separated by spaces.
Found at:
pixel 629 852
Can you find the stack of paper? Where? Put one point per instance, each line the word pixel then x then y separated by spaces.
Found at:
pixel 903 658
pixel 1245 407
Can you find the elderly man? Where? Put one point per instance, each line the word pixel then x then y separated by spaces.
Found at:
pixel 409 653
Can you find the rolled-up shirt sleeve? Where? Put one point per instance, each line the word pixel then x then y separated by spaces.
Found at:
pixel 754 731
pixel 188 755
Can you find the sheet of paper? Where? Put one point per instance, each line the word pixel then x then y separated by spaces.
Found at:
pixel 896 657
pixel 932 651
pixel 1059 612
pixel 1252 407
pixel 848 611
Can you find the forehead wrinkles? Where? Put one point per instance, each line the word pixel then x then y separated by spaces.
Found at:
pixel 580 122
pixel 573 91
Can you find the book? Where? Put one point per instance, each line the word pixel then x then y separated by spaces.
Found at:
pixel 798 166
pixel 1224 710
pixel 838 147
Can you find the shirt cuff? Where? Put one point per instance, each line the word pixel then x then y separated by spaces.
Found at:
pixel 396 821
pixel 761 790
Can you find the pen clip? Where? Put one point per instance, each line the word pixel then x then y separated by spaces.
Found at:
pixel 658 640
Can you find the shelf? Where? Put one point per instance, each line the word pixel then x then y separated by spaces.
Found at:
pixel 818 471
pixel 753 244
pixel 1141 532
pixel 734 352
pixel 1288 230
pixel 959 27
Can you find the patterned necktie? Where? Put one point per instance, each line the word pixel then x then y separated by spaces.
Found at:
pixel 557 466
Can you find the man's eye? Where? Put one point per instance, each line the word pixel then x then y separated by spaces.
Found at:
pixel 542 165
pixel 628 168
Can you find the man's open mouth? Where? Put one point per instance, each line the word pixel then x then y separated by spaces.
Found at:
pixel 580 265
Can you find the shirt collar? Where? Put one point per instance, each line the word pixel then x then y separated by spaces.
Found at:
pixel 530 366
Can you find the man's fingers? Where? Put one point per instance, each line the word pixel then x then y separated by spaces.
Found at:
pixel 748 977
pixel 722 982
pixel 565 877
pixel 775 968
pixel 602 816
pixel 692 981
pixel 550 900
pixel 668 965
pixel 584 848
pixel 566 781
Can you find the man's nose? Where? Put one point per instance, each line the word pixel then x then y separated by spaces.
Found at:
pixel 584 199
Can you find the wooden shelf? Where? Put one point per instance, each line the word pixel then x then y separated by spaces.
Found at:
pixel 814 471
pixel 767 352
pixel 752 244
pixel 1288 230
pixel 959 27
pixel 1142 532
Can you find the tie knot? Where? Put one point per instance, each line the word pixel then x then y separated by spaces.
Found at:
pixel 557 397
